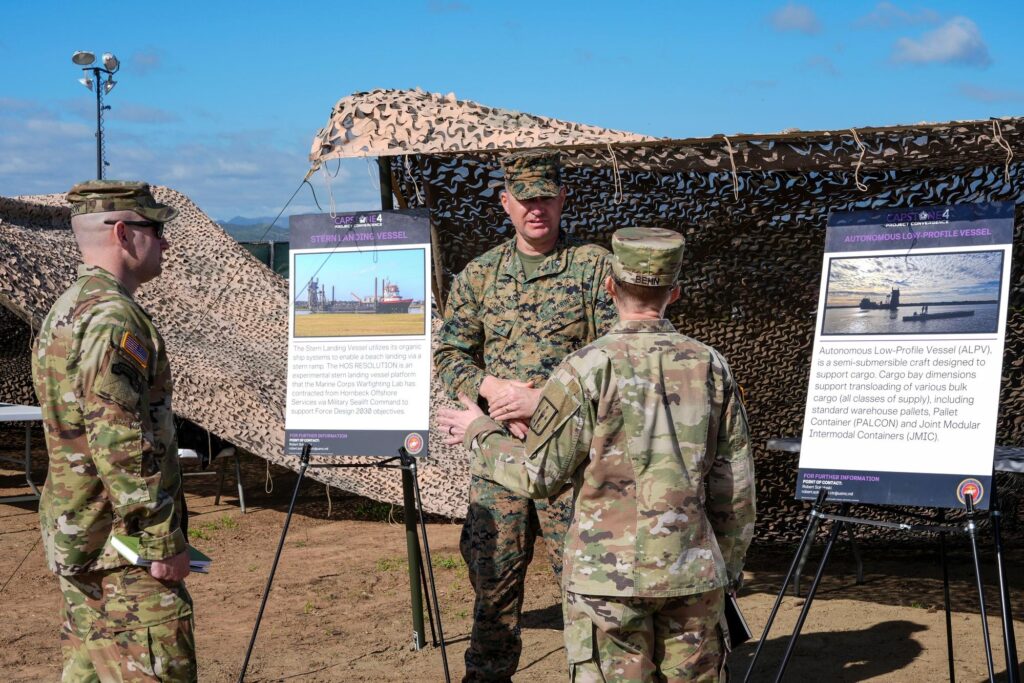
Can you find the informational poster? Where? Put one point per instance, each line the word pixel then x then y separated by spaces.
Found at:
pixel 908 349
pixel 359 334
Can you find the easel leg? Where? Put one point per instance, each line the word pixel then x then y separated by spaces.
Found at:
pixel 304 462
pixel 791 645
pixel 858 560
pixel 972 532
pixel 412 548
pixel 945 596
pixel 812 526
pixel 1009 640
pixel 805 552
pixel 430 566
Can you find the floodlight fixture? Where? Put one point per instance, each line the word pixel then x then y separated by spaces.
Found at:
pixel 83 58
pixel 110 62
pixel 102 78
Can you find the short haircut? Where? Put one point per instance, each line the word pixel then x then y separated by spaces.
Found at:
pixel 641 295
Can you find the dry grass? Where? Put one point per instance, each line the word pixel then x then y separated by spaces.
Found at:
pixel 358 324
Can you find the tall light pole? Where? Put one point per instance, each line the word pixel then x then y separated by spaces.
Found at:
pixel 102 86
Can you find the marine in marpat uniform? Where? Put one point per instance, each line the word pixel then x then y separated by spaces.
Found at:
pixel 103 380
pixel 512 314
pixel 665 495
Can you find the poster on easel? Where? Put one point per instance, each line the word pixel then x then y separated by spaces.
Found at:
pixel 903 393
pixel 359 334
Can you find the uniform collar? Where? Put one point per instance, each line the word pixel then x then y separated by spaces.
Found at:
pixel 103 274
pixel 635 326
pixel 555 262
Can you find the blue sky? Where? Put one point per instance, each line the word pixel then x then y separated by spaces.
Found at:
pixel 221 99
pixel 353 272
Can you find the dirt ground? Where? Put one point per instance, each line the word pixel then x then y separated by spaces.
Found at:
pixel 339 608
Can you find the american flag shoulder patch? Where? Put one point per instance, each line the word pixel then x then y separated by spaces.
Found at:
pixel 135 349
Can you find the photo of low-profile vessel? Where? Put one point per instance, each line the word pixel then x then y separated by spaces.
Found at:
pixel 389 300
pixel 921 317
pixel 891 303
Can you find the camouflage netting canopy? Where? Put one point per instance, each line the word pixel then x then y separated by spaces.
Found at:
pixel 753 208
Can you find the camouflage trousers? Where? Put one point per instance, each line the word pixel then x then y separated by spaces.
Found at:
pixel 497 544
pixel 124 625
pixel 668 640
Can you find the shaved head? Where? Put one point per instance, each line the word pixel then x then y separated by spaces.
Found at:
pixel 90 231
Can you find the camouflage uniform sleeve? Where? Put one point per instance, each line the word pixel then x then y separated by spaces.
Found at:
pixel 730 483
pixel 605 315
pixel 111 383
pixel 558 441
pixel 460 342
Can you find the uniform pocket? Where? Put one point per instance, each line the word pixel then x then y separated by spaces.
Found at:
pixel 579 639
pixel 563 316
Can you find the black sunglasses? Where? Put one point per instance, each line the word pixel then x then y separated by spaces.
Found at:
pixel 158 228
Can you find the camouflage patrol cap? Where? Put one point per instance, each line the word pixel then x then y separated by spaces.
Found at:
pixel 100 196
pixel 534 173
pixel 650 257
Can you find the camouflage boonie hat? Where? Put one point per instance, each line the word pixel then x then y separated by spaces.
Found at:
pixel 535 173
pixel 100 196
pixel 650 257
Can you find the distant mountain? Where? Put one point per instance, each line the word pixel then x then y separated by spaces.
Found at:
pixel 242 220
pixel 255 229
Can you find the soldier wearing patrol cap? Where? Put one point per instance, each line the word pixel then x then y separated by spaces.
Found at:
pixel 651 423
pixel 103 380
pixel 512 314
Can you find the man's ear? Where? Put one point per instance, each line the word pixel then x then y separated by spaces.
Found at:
pixel 120 232
pixel 504 200
pixel 609 286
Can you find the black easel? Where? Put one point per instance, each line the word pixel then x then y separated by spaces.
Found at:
pixel 413 504
pixel 842 520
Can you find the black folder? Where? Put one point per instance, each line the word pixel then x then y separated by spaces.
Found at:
pixel 739 632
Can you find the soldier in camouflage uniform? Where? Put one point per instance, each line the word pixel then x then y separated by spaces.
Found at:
pixel 665 498
pixel 512 314
pixel 103 380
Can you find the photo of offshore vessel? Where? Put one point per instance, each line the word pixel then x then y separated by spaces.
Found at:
pixel 389 299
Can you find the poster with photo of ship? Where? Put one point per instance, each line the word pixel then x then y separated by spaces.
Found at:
pixel 903 392
pixel 929 293
pixel 359 334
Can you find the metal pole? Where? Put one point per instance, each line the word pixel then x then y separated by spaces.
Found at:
pixel 1009 640
pixel 277 556
pixel 808 535
pixel 945 595
pixel 430 565
pixel 972 532
pixel 412 547
pixel 791 645
pixel 387 198
pixel 99 124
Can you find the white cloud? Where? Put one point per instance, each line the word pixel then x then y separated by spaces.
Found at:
pixel 794 17
pixel 958 41
pixel 989 95
pixel 888 15
pixel 239 173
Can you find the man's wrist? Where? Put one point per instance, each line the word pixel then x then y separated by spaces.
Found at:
pixel 479 427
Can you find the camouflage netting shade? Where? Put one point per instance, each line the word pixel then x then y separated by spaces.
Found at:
pixel 753 209
pixel 224 316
